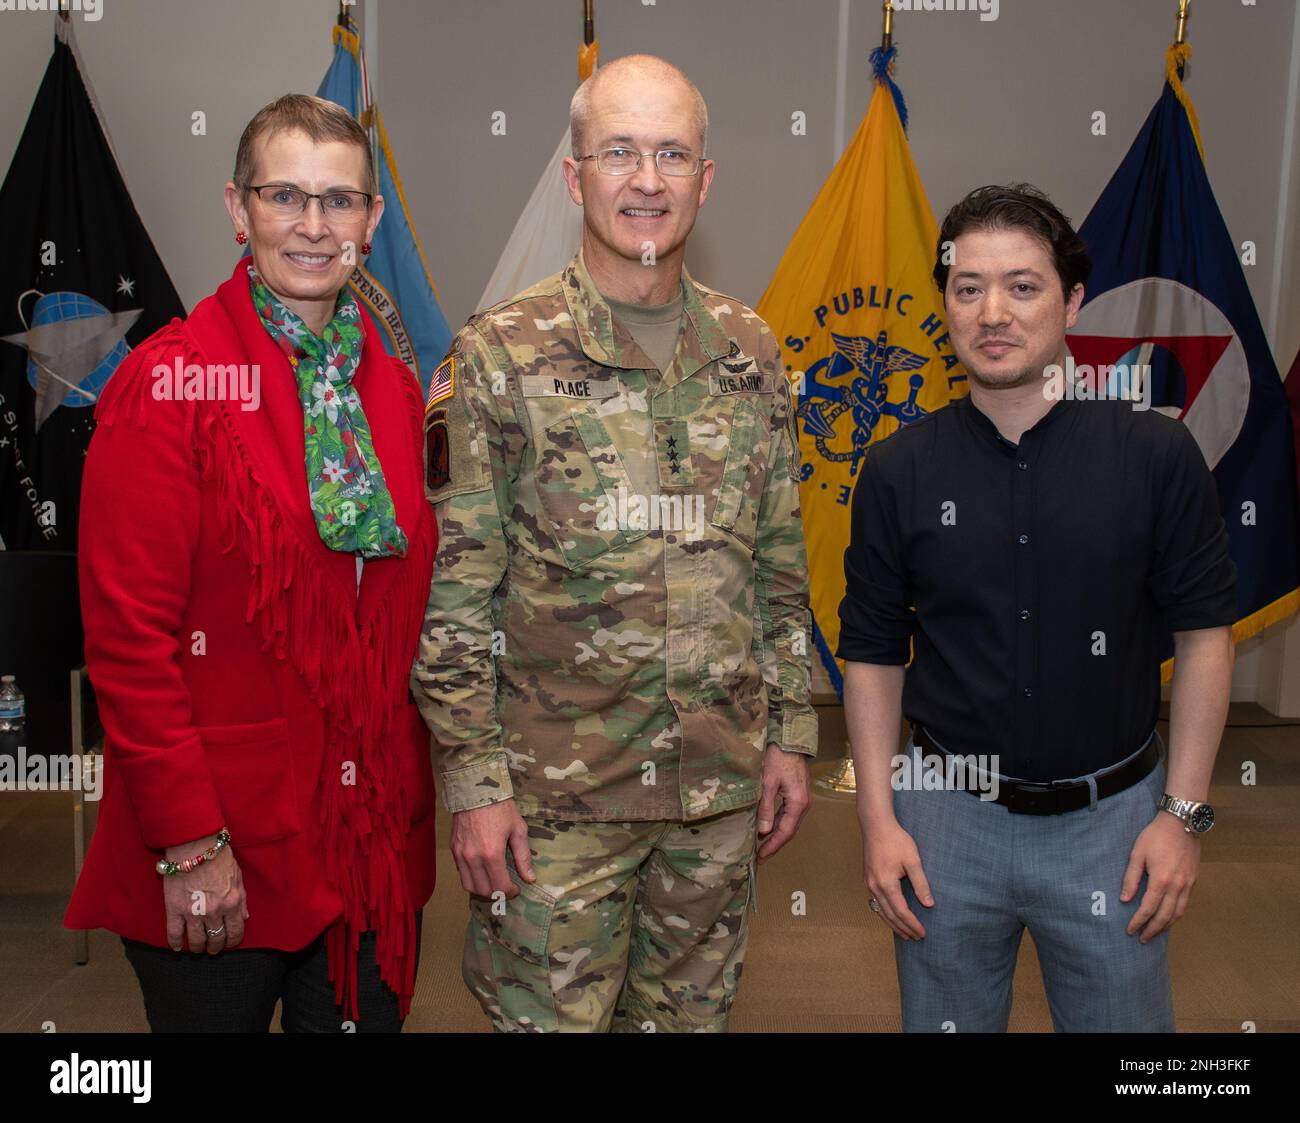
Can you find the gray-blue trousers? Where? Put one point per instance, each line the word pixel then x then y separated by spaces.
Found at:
pixel 993 874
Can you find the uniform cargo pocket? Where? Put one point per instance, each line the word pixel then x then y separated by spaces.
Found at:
pixel 252 770
pixel 517 944
pixel 580 480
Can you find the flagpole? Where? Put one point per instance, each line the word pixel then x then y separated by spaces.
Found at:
pixel 589 52
pixel 1184 12
pixel 839 776
pixel 1288 213
pixel 371 40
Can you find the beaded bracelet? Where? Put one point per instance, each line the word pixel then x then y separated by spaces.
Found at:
pixel 171 869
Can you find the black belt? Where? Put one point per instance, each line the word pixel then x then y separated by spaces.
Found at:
pixel 1056 797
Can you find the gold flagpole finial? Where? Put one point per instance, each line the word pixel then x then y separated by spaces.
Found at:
pixel 1183 14
pixel 589 51
pixel 887 34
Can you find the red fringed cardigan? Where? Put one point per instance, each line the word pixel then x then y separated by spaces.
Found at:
pixel 242 679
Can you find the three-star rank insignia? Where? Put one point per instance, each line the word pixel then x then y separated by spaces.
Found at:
pixel 674 461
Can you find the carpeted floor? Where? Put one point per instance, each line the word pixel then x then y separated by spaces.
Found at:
pixel 1233 955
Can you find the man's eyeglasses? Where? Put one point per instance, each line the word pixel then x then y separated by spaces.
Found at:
pixel 624 161
pixel 285 201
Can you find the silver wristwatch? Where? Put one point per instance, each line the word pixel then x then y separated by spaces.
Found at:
pixel 1197 817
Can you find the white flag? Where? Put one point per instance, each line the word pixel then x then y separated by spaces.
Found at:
pixel 546 236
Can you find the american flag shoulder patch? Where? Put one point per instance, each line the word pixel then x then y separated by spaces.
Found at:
pixel 442 383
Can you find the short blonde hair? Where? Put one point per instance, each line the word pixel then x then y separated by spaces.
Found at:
pixel 648 65
pixel 321 120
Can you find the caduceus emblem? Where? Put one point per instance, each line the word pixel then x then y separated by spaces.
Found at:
pixel 865 397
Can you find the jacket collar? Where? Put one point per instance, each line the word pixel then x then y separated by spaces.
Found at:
pixel 607 341
pixel 226 328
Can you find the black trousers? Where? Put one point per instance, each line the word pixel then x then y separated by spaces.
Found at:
pixel 236 991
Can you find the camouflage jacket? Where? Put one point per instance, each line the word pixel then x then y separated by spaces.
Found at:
pixel 618 621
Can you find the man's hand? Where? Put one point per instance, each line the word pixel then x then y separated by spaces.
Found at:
pixel 208 898
pixel 478 843
pixel 889 854
pixel 784 775
pixel 1171 858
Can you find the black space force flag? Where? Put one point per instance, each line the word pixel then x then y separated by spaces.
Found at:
pixel 80 284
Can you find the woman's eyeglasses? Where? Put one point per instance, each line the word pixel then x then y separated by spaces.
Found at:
pixel 286 202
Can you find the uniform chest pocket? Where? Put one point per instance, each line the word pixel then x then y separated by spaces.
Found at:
pixel 740 489
pixel 583 486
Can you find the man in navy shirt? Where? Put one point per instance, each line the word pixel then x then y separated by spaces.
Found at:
pixel 1031 548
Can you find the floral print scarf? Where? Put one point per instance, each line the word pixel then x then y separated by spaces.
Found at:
pixel 353 510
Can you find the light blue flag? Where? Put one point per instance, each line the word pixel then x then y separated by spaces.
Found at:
pixel 394 282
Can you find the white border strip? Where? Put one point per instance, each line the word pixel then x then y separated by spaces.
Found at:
pixel 66 32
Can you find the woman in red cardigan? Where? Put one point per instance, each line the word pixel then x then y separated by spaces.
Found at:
pixel 255 559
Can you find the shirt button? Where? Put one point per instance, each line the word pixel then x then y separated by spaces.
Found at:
pixel 1028 693
pixel 1024 614
pixel 1022 465
pixel 1023 539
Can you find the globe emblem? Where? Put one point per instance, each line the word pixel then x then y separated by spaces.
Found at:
pixel 73 345
pixel 60 307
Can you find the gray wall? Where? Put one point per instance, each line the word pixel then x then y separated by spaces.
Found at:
pixel 152 64
pixel 990 101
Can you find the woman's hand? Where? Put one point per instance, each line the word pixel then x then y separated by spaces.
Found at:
pixel 206 900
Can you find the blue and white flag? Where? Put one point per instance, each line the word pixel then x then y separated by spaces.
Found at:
pixel 394 282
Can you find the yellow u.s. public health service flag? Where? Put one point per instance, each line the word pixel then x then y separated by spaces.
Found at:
pixel 862 329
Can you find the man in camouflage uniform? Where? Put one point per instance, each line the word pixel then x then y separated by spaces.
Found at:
pixel 614 661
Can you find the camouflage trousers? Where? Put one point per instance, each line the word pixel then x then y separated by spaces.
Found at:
pixel 629 927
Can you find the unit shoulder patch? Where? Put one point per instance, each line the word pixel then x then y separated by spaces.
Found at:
pixel 456 453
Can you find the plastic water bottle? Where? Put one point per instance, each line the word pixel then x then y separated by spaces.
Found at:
pixel 13 707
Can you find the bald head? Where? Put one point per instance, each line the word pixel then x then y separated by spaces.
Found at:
pixel 628 83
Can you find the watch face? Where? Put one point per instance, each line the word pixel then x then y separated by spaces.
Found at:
pixel 1202 819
